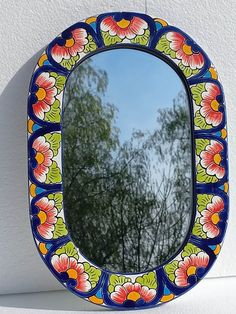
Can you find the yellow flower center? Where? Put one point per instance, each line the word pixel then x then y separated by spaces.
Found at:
pixel 69 42
pixel 123 23
pixel 215 218
pixel 72 273
pixel 187 50
pixel 40 158
pixel 41 93
pixel 133 295
pixel 217 159
pixel 215 105
pixel 42 216
pixel 191 270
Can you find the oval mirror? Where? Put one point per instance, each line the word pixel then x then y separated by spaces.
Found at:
pixel 127 160
pixel 128 172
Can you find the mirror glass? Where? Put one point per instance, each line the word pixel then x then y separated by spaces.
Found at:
pixel 127 160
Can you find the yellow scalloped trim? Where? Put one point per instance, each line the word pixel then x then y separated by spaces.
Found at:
pixel 32 189
pixel 91 20
pixel 42 248
pixel 95 300
pixel 214 73
pixel 42 59
pixel 167 298
pixel 161 21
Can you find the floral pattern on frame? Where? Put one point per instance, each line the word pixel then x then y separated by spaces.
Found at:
pixel 210 196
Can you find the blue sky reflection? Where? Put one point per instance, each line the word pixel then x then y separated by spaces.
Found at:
pixel 138 85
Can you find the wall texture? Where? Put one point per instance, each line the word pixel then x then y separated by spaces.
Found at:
pixel 26 27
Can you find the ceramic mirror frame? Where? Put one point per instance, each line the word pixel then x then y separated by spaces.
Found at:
pixel 210 168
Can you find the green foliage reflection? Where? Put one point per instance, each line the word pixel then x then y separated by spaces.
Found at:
pixel 127 204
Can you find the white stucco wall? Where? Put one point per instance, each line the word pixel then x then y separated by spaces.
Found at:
pixel 25 28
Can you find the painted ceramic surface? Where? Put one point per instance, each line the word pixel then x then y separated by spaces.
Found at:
pixel 203 242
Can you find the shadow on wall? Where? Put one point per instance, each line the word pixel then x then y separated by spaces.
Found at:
pixel 55 301
pixel 21 269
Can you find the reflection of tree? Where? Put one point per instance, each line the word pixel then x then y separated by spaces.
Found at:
pixel 127 205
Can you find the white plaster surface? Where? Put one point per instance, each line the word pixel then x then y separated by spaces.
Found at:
pixel 26 26
pixel 211 296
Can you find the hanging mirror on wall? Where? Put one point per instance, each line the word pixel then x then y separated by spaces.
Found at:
pixel 127 160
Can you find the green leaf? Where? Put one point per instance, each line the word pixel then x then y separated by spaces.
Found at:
pixel 117 280
pixel 68 249
pixel 203 200
pixel 54 174
pixel 148 280
pixel 57 197
pixel 54 74
pixel 54 139
pixel 110 40
pixel 60 82
pixel 163 45
pixel 190 249
pixel 201 144
pixel 203 177
pixel 53 115
pixel 200 121
pixel 198 230
pixel 93 272
pixel 187 70
pixel 197 91
pixel 142 39
pixel 60 229
pixel 69 63
pixel 91 45
pixel 170 269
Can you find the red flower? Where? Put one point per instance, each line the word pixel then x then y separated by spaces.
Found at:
pixel 210 106
pixel 47 216
pixel 133 292
pixel 184 51
pixel 189 267
pixel 210 217
pixel 72 46
pixel 124 28
pixel 43 157
pixel 45 95
pixel 74 270
pixel 210 159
